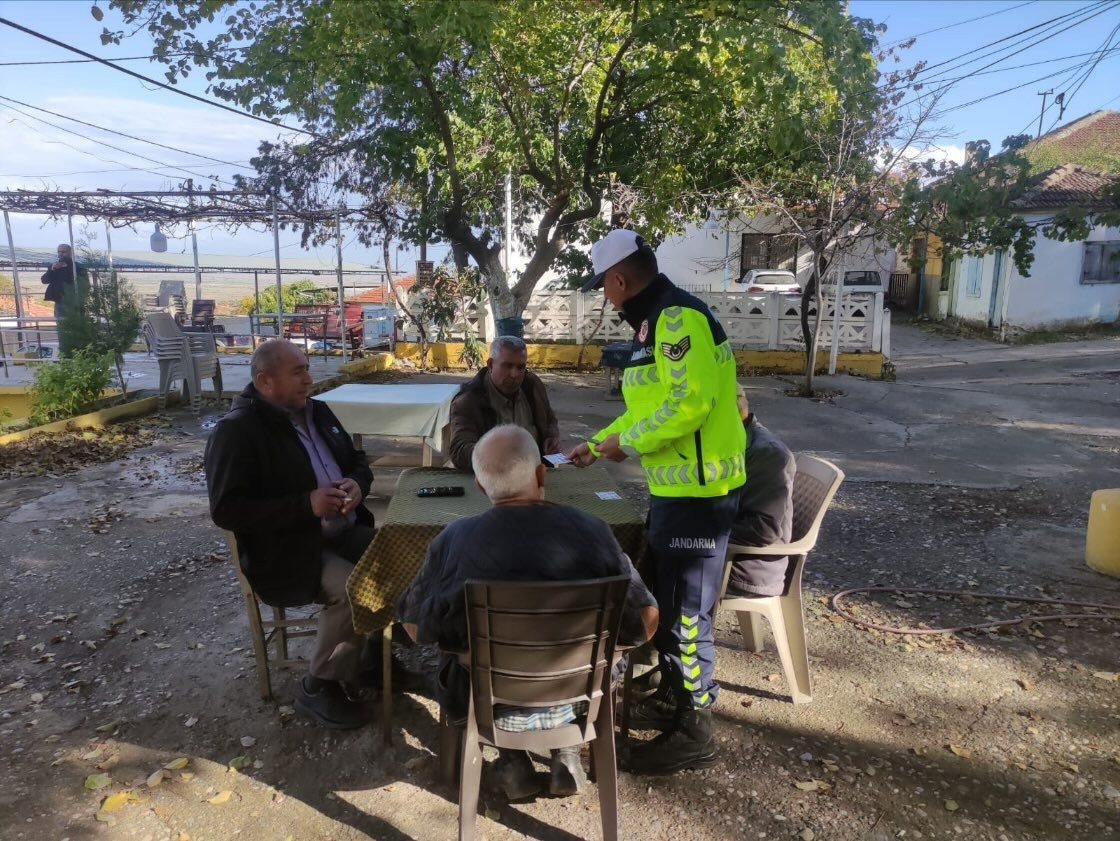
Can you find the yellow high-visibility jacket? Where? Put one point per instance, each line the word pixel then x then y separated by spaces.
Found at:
pixel 682 415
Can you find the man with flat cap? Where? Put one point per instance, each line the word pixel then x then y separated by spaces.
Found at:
pixel 682 421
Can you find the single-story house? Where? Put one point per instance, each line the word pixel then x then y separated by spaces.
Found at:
pixel 1070 283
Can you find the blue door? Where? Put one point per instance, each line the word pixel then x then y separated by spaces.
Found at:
pixel 993 308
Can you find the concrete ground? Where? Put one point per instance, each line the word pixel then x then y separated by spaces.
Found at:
pixel 124 642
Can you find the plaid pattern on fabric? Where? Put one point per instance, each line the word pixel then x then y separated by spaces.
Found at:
pixel 520 719
pixel 394 557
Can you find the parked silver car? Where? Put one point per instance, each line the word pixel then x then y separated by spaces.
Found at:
pixel 771 280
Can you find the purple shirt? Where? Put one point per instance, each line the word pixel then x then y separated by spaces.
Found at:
pixel 327 471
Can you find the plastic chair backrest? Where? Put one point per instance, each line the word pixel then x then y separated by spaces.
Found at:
pixel 541 644
pixel 164 326
pixel 814 486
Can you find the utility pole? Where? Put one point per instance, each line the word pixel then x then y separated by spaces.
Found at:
pixel 1043 94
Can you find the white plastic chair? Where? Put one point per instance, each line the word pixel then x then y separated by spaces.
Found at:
pixel 814 487
pixel 188 358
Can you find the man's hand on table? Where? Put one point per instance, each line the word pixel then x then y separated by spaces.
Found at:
pixel 328 502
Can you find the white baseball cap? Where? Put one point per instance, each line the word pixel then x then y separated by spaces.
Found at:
pixel 610 251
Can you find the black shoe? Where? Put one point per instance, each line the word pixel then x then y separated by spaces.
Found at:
pixel 565 774
pixel 656 712
pixel 687 745
pixel 646 684
pixel 329 707
pixel 515 775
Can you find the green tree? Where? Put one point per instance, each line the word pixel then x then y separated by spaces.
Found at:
pixel 296 292
pixel 440 100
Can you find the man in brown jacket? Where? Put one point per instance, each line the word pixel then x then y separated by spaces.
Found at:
pixel 502 392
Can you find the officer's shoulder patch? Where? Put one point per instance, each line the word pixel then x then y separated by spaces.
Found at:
pixel 676 352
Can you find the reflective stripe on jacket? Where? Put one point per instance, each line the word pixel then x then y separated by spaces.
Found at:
pixel 682 416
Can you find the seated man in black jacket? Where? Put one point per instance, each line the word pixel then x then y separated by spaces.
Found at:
pixel 521 538
pixel 502 392
pixel 284 477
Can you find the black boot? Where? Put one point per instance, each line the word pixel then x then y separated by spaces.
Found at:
pixel 688 744
pixel 655 712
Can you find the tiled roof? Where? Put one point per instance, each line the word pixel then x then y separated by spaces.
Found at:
pixel 1099 129
pixel 377 294
pixel 1068 186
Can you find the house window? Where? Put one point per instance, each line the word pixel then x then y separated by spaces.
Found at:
pixel 1101 263
pixel 768 251
pixel 946 272
pixel 974 266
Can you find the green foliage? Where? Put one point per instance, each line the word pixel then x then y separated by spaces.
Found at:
pixel 427 106
pixel 297 292
pixel 1098 157
pixel 7 285
pixel 69 386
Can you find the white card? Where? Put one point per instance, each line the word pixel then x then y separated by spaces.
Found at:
pixel 556 459
pixel 607 495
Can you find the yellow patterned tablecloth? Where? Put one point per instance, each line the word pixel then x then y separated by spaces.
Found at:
pixel 394 557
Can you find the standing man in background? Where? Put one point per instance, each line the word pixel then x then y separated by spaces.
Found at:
pixel 59 278
pixel 682 420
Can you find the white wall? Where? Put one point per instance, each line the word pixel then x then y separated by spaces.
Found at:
pixel 1054 294
pixel 695 257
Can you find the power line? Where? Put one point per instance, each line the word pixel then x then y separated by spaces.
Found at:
pixel 91 60
pixel 115 148
pixel 959 23
pixel 119 133
pixel 152 81
pixel 1089 72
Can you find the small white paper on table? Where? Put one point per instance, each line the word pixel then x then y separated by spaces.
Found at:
pixel 607 495
pixel 556 459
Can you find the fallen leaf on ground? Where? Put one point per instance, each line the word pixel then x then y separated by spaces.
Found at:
pixel 220 797
pixel 177 764
pixel 157 778
pixel 1107 675
pixel 108 728
pixel 951 805
pixel 773 677
pixel 96 781
pixel 812 785
pixel 964 753
pixel 115 801
pixel 237 763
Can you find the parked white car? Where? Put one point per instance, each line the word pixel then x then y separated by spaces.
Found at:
pixel 863 280
pixel 771 280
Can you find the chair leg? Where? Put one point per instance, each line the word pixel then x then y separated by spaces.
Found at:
pixel 387 685
pixel 256 633
pixel 470 777
pixel 750 626
pixel 281 632
pixel 789 638
pixel 627 694
pixel 606 770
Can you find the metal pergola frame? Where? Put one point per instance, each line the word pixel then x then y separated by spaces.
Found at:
pixel 121 208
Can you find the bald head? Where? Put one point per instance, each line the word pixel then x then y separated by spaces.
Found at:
pixel 507 464
pixel 281 374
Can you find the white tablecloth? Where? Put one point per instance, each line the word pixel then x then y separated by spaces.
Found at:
pixel 418 411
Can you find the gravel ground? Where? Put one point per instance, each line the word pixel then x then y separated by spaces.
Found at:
pixel 125 654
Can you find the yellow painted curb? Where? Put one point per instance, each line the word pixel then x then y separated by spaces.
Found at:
pixel 91 420
pixel 369 365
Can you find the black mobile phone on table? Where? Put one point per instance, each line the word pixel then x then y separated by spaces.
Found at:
pixel 446 490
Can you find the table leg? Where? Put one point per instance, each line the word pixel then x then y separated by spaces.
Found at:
pixel 387 684
pixel 357 436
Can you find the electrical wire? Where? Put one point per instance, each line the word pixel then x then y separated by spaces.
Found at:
pixel 159 163
pixel 959 23
pixel 152 81
pixel 121 133
pixel 1104 49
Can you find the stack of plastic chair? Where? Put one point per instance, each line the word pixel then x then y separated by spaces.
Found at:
pixel 189 359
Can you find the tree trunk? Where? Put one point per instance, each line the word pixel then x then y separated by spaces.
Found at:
pixel 402 304
pixel 814 288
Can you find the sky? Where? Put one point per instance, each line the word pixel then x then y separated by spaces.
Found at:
pixel 1060 55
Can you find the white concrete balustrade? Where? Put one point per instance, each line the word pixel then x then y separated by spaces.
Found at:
pixel 767 321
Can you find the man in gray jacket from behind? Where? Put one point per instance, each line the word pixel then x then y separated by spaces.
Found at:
pixel 765 510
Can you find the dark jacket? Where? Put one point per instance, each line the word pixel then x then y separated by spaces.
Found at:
pixel 765 513
pixel 472 416
pixel 59 281
pixel 260 480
